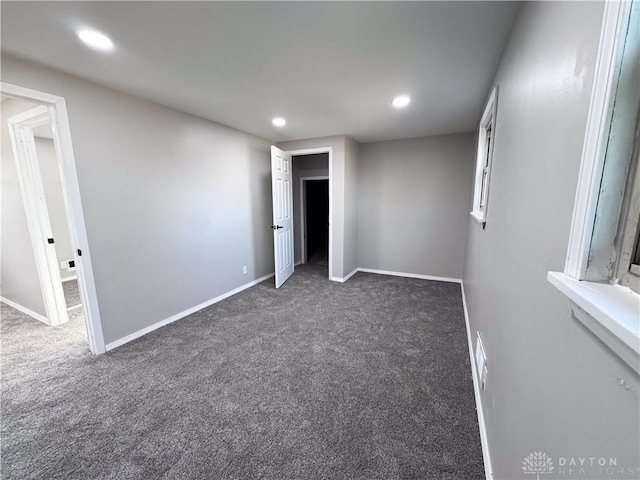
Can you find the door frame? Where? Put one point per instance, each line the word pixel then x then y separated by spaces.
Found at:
pixel 303 219
pixel 37 213
pixel 73 205
pixel 329 150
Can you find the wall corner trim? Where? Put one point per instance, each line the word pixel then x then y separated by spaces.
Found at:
pixel 189 311
pixel 346 277
pixel 410 275
pixel 484 439
pixel 25 310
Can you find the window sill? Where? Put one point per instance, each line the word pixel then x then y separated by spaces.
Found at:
pixel 478 218
pixel 611 312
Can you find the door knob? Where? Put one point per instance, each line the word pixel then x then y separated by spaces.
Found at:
pixel 276 227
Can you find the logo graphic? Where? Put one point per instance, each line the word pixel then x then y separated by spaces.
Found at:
pixel 537 463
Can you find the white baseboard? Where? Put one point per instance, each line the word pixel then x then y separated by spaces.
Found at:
pixel 396 274
pixel 355 270
pixel 410 275
pixel 178 316
pixel 345 278
pixel 484 440
pixel 25 310
pixel 297 263
pixel 68 279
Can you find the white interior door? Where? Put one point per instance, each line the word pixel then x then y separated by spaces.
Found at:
pixel 26 157
pixel 281 184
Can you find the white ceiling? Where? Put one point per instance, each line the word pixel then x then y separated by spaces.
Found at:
pixel 327 67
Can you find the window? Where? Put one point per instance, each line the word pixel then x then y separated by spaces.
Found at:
pixel 628 267
pixel 486 137
pixel 601 270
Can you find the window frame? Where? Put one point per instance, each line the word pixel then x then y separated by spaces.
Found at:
pixel 484 158
pixel 605 307
pixel 628 265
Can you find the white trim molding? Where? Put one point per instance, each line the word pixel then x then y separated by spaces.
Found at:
pixel 484 438
pixel 484 157
pixel 610 311
pixel 396 274
pixel 21 134
pixel 595 138
pixel 346 277
pixel 25 310
pixel 185 313
pixel 73 204
pixel 329 150
pixel 410 275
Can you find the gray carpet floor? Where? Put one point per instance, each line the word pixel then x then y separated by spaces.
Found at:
pixel 71 293
pixel 317 380
pixel 320 259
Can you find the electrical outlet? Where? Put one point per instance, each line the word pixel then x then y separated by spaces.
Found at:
pixel 244 270
pixel 481 362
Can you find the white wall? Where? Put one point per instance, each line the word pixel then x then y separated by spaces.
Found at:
pixel 552 386
pixel 52 184
pixel 177 202
pixel 316 165
pixel 413 204
pixel 20 282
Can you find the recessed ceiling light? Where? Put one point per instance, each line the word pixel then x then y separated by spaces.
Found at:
pixel 279 122
pixel 96 40
pixel 401 101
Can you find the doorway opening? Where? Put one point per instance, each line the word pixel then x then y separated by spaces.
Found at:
pixel 54 220
pixel 314 223
pixel 289 216
pixel 312 208
pixel 43 180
